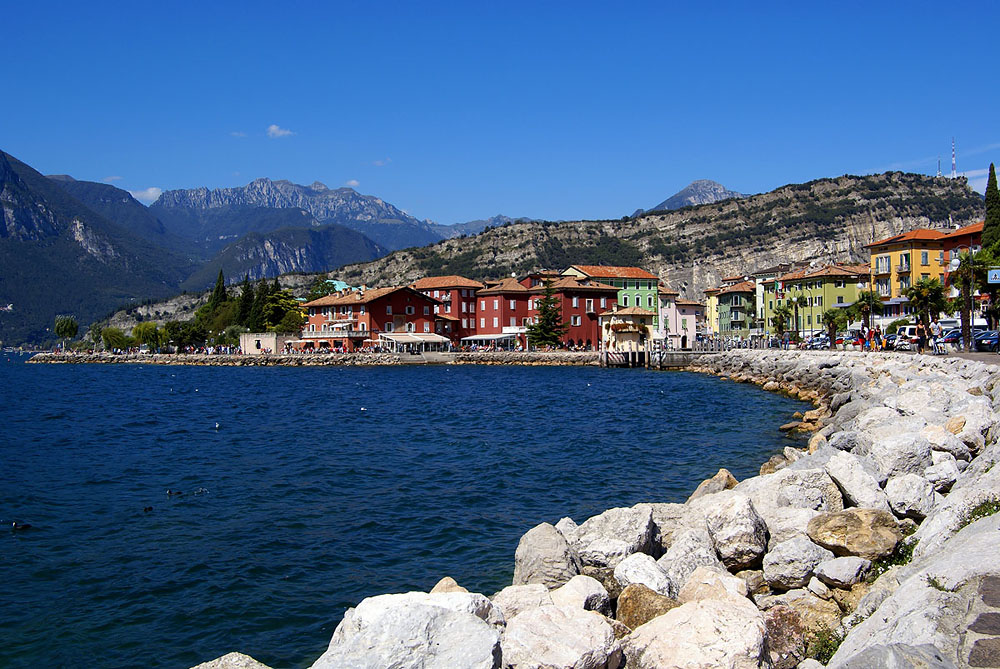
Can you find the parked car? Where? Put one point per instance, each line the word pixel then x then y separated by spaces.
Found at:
pixel 889 340
pixel 986 341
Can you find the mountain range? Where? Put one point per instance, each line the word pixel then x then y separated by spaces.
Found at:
pixel 700 191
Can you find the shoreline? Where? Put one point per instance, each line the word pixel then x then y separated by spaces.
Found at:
pixel 765 572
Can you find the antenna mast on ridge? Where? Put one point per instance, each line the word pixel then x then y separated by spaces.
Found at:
pixel 939 166
pixel 954 172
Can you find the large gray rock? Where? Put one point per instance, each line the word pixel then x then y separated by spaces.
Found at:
pixel 706 633
pixel 942 440
pixel 790 564
pixel 896 454
pixel 910 496
pixel 564 637
pixel 867 533
pixel 898 656
pixel 708 583
pixel 583 592
pixel 643 569
pixel 842 572
pixel 412 630
pixel 669 520
pixel 803 488
pixel 690 549
pixel 944 472
pixel 608 538
pixel 514 599
pixel 723 480
pixel 856 483
pixel 785 522
pixel 544 556
pixel 738 533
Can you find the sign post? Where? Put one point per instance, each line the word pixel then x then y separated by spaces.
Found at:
pixel 993 276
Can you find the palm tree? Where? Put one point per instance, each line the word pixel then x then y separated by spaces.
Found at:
pixel 796 302
pixel 971 272
pixel 780 318
pixel 834 319
pixel 868 303
pixel 927 299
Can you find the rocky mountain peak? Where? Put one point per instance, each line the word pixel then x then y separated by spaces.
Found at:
pixel 700 191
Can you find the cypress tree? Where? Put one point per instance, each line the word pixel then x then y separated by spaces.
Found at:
pixel 246 302
pixel 258 312
pixel 991 228
pixel 219 295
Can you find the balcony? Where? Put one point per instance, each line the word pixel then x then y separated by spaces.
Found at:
pixel 903 267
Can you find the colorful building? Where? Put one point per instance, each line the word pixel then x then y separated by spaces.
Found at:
pixel 820 288
pixel 456 315
pixel 636 287
pixel 712 312
pixel 737 309
pixel 899 261
pixel 399 318
pixel 626 329
pixel 963 240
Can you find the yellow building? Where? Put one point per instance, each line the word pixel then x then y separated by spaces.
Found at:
pixel 712 311
pixel 900 261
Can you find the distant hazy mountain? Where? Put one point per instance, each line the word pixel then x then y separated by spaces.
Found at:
pixel 58 256
pixel 702 191
pixel 473 227
pixel 388 226
pixel 287 250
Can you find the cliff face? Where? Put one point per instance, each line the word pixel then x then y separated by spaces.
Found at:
pixel 702 191
pixel 828 220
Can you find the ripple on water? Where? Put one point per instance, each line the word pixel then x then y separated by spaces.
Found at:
pixel 312 505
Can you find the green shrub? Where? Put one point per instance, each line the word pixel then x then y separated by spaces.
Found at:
pixel 822 643
pixel 982 510
pixel 902 555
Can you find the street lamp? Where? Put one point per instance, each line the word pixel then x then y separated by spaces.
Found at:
pixel 967 277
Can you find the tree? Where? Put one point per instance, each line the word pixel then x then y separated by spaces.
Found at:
pixel 927 300
pixel 246 302
pixel 548 328
pixel 219 294
pixel 281 308
pixel 991 227
pixel 66 328
pixel 257 322
pixel 782 313
pixel 796 302
pixel 970 273
pixel 148 334
pixel 835 319
pixel 114 338
pixel 867 304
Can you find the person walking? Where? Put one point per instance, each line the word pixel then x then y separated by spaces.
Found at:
pixel 921 336
pixel 936 345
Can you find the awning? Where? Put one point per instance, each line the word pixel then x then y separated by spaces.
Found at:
pixel 492 337
pixel 898 300
pixel 414 338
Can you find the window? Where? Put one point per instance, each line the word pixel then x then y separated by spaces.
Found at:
pixel 437 293
pixel 684 324
pixel 447 308
pixel 427 310
pixel 576 301
pixel 589 305
pixel 437 309
pixel 624 300
pixel 388 309
pixel 840 299
pixel 387 327
pixel 496 304
pixel 513 321
pixel 925 276
pixel 410 310
pixel 465 323
pixel 482 305
pixel 575 320
pixel 819 301
pixel 770 305
pixel 512 305
pixel 496 322
pixel 482 322
pixel 809 320
pixel 923 258
pixel 464 307
pixel 649 301
pixel 604 303
pixel 427 327
pixel 362 309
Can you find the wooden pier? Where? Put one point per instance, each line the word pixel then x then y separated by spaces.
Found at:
pixel 650 359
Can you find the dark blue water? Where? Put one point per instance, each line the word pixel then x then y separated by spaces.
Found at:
pixel 320 486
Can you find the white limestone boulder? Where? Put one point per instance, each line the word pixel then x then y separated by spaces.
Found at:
pixel 514 599
pixel 900 453
pixel 583 592
pixel 856 483
pixel 643 569
pixel 910 496
pixel 606 539
pixel 738 533
pixel 842 572
pixel 706 633
pixel 560 636
pixel 690 549
pixel 413 631
pixel 941 440
pixel 544 556
pixel 790 564
pixel 708 583
pixel 944 472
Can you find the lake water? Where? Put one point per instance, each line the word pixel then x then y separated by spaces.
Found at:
pixel 319 487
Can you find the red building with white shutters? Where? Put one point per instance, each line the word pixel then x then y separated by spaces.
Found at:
pixel 351 320
pixel 456 315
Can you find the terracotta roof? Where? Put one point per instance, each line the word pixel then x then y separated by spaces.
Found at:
pixel 737 277
pixel 664 289
pixel 793 276
pixel 745 287
pixel 445 317
pixel 712 291
pixel 565 283
pixel 450 281
pixel 975 228
pixel 611 272
pixel 918 235
pixel 689 303
pixel 361 297
pixel 838 270
pixel 508 285
pixel 629 311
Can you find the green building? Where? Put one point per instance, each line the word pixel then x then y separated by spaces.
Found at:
pixel 737 310
pixel 636 287
pixel 820 289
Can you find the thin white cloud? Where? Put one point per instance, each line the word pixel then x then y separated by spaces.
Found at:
pixel 381 163
pixel 238 133
pixel 147 196
pixel 352 183
pixel 977 179
pixel 108 180
pixel 979 149
pixel 275 131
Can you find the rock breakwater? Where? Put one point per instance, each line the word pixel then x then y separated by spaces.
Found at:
pixel 875 546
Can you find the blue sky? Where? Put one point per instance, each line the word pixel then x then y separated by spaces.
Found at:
pixel 461 111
